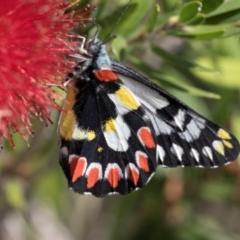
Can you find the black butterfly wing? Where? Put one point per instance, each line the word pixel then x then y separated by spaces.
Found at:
pixel 105 147
pixel 183 137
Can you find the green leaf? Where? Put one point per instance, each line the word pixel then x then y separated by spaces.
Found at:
pixel 189 11
pixel 133 26
pixel 231 31
pixel 209 6
pixel 14 194
pixel 229 72
pixel 227 12
pixel 198 19
pixel 200 32
pixel 118 45
pixel 170 81
pixel 174 59
pixel 166 19
pixel 153 18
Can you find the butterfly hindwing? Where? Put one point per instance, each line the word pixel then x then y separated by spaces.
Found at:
pixel 112 149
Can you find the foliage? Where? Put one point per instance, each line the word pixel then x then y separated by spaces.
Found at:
pixel 191 49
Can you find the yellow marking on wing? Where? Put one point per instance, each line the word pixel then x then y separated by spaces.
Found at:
pixel 100 149
pixel 67 120
pixel 227 144
pixel 91 135
pixel 110 125
pixel 67 125
pixel 127 99
pixel 223 134
pixel 219 147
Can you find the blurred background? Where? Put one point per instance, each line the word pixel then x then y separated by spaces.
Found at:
pixel 191 49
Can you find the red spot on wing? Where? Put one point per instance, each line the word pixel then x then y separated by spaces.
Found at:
pixel 146 137
pixel 92 177
pixel 143 162
pixel 113 177
pixel 77 167
pixel 133 176
pixel 106 75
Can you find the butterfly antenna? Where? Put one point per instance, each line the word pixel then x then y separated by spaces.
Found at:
pixel 97 31
pixel 109 35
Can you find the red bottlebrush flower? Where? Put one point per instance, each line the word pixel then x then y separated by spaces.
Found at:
pixel 34 39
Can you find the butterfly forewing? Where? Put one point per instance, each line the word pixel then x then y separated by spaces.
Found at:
pixel 183 137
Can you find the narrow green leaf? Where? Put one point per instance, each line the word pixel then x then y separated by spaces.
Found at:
pixel 231 31
pixel 170 81
pixel 226 7
pixel 189 11
pixel 209 6
pixel 200 32
pixel 153 18
pixel 227 12
pixel 174 59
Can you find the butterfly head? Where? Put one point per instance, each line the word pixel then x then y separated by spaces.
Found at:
pixel 91 56
pixel 93 47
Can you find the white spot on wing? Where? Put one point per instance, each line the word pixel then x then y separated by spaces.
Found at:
pixel 197 118
pixel 64 151
pixel 118 139
pixel 122 109
pixel 159 126
pixel 149 97
pixel 218 146
pixel 180 118
pixel 150 178
pixel 87 193
pixel 207 151
pixel 177 151
pixel 160 153
pixel 192 131
pixel 154 102
pixel 195 154
pixel 79 133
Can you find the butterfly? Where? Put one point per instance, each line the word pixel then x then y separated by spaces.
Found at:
pixel 117 127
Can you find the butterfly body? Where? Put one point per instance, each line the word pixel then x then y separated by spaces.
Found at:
pixel 117 127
